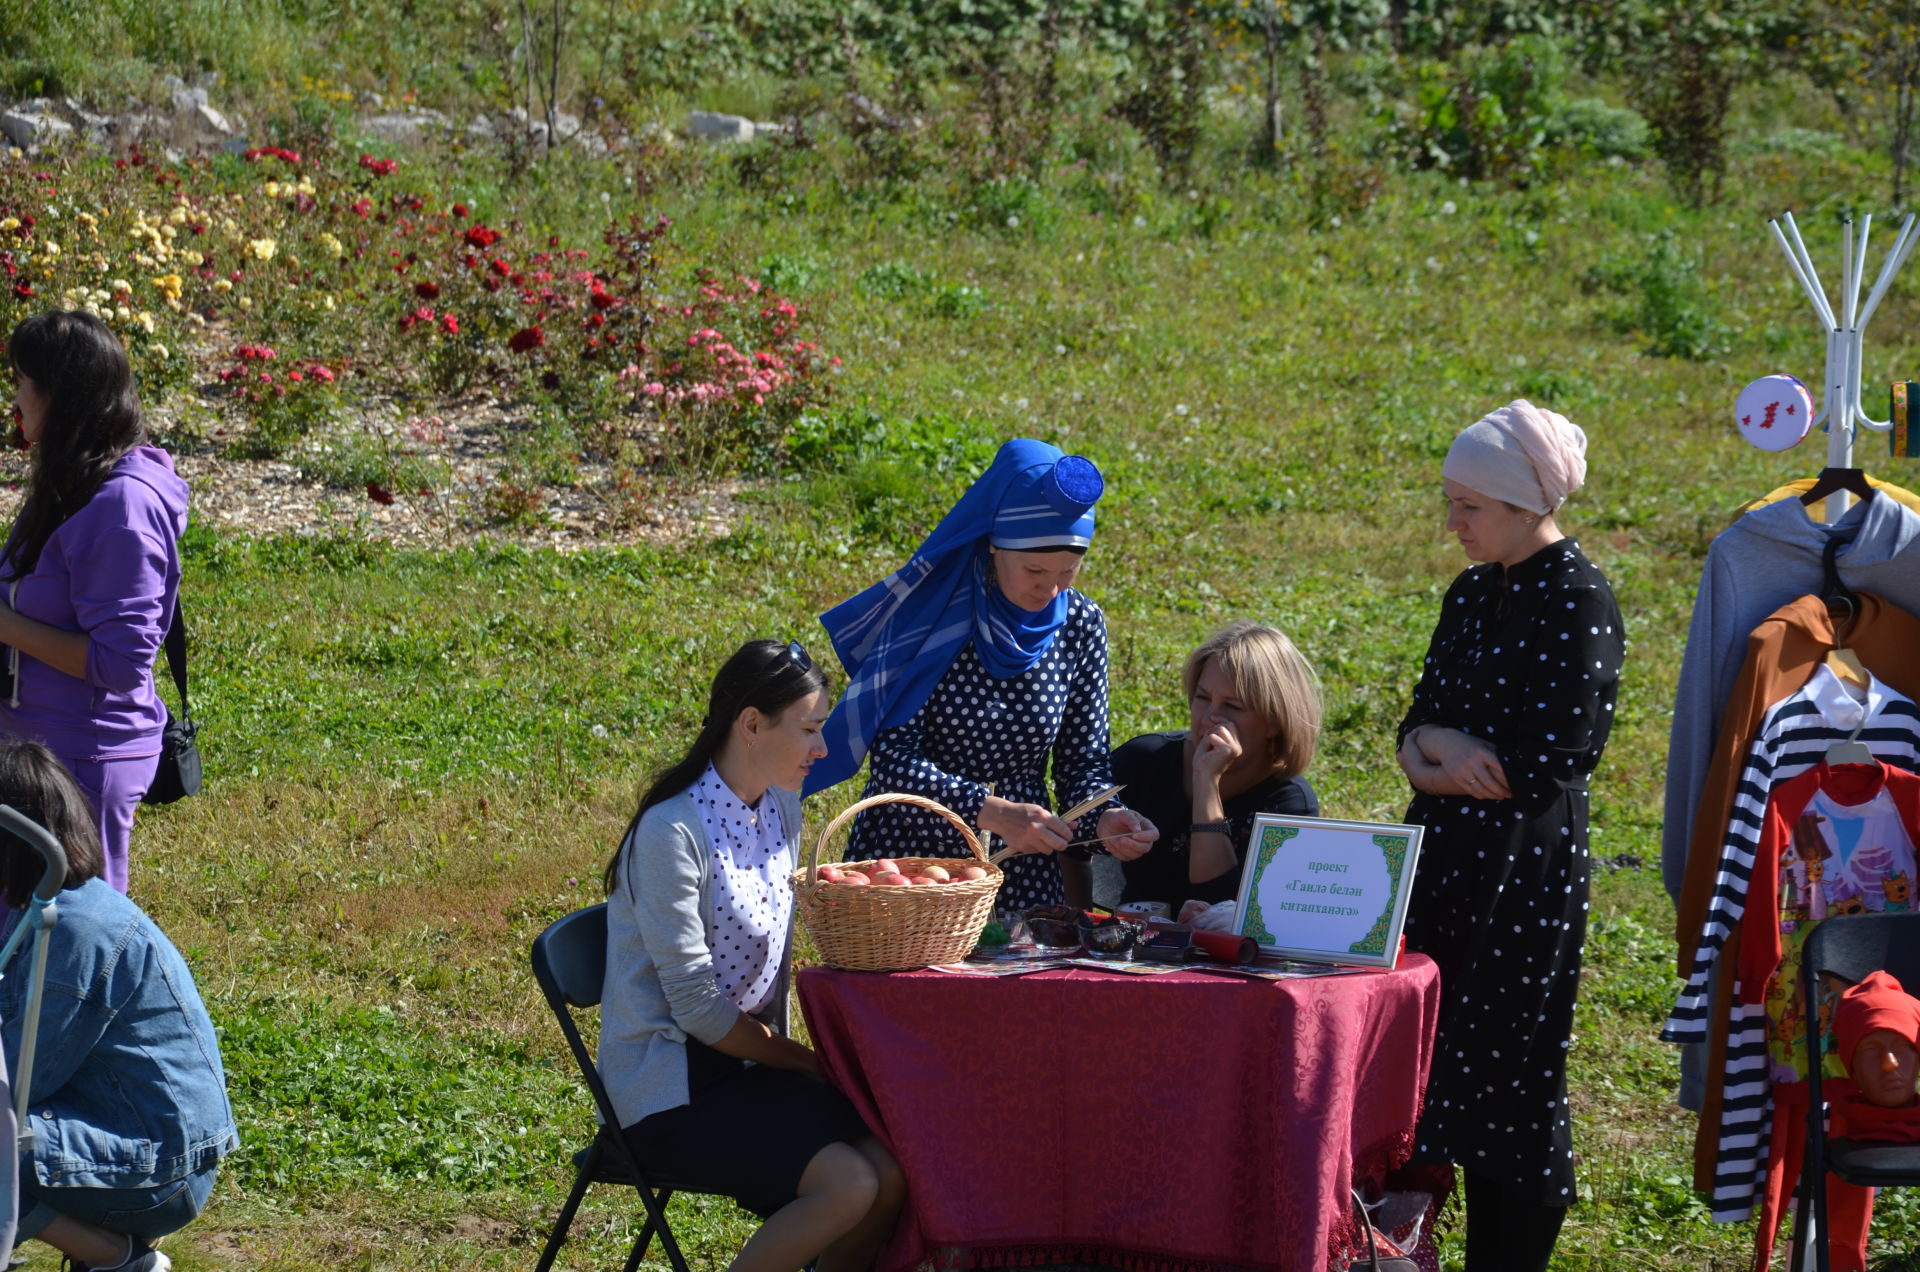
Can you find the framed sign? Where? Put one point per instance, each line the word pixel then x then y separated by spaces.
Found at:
pixel 1327 891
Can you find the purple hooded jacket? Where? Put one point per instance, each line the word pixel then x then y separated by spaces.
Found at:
pixel 112 570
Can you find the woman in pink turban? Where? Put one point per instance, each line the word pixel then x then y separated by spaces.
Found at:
pixel 1510 716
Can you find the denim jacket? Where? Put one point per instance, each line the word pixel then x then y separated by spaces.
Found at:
pixel 127 1090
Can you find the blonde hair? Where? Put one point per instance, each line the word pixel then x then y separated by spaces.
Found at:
pixel 1274 680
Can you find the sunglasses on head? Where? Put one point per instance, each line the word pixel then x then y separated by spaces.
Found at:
pixel 797 654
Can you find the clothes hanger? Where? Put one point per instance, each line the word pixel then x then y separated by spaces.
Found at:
pixel 1833 480
pixel 1844 608
pixel 1852 751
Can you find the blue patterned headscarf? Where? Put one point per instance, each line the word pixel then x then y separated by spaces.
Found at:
pixel 897 638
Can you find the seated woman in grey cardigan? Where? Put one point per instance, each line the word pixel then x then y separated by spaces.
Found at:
pixel 711 1092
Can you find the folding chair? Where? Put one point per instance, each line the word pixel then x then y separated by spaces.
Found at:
pixel 1849 948
pixel 570 963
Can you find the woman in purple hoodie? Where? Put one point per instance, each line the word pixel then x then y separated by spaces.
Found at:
pixel 90 572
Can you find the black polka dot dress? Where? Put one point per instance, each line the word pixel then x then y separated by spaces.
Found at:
pixel 750 900
pixel 974 731
pixel 1529 659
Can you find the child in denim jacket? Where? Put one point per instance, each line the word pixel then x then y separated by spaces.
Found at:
pixel 129 1111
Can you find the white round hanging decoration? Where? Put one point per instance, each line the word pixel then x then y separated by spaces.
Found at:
pixel 1774 412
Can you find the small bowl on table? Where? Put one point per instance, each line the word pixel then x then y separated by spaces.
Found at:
pixel 1052 927
pixel 1108 938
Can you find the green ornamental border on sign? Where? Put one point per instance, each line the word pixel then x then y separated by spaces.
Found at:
pixel 1271 837
pixel 1392 847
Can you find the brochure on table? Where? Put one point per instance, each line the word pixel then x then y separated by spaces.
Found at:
pixel 1327 891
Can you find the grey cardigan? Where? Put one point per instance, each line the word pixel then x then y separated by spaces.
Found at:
pixel 660 987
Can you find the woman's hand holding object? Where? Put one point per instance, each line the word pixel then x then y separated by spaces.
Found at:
pixel 1127 834
pixel 1025 828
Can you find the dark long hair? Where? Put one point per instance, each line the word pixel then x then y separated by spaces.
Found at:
pixel 767 675
pixel 37 785
pixel 93 418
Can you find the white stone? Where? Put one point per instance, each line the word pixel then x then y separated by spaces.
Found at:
pixel 28 129
pixel 717 127
pixel 210 122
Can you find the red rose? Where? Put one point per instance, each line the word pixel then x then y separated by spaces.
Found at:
pixel 379 167
pixel 378 493
pixel 481 236
pixel 426 289
pixel 526 339
pixel 460 210
pixel 500 267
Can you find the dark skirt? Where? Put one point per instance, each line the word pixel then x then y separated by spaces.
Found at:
pixel 748 1131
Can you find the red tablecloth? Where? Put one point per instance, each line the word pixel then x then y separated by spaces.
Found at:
pixel 1155 1122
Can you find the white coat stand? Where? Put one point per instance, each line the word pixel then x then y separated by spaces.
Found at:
pixel 1840 406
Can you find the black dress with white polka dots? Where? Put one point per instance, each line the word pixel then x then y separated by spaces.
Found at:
pixel 1529 659
pixel 974 730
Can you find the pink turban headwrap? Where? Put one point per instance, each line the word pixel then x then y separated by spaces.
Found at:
pixel 1521 455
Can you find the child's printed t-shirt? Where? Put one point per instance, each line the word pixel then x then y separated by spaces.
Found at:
pixel 1842 859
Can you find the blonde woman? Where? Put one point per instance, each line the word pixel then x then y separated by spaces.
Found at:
pixel 1253 720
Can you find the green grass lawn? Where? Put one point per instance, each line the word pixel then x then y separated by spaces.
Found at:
pixel 418 760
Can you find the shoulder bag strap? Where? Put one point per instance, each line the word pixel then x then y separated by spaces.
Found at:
pixel 176 645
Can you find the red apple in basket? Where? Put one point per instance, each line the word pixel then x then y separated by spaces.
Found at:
pixel 855 878
pixel 936 873
pixel 832 874
pixel 966 874
pixel 892 879
pixel 921 880
pixel 886 865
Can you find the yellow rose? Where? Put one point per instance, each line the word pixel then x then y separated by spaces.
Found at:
pixel 222 285
pixel 123 313
pixel 179 215
pixel 262 248
pixel 11 223
pixel 170 285
pixel 146 322
pixel 333 245
pixel 160 351
pixel 271 189
pixel 246 302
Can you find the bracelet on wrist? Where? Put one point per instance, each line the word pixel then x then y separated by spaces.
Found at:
pixel 1211 828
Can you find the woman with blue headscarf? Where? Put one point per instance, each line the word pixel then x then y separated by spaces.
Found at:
pixel 976 666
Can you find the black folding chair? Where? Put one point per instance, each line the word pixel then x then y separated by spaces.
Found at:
pixel 1849 947
pixel 570 963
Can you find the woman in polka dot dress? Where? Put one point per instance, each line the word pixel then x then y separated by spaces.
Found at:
pixel 1509 718
pixel 710 1091
pixel 974 669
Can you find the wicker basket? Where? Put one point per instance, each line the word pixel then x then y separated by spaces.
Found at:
pixel 891 929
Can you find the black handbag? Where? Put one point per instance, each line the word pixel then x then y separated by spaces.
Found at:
pixel 178 775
